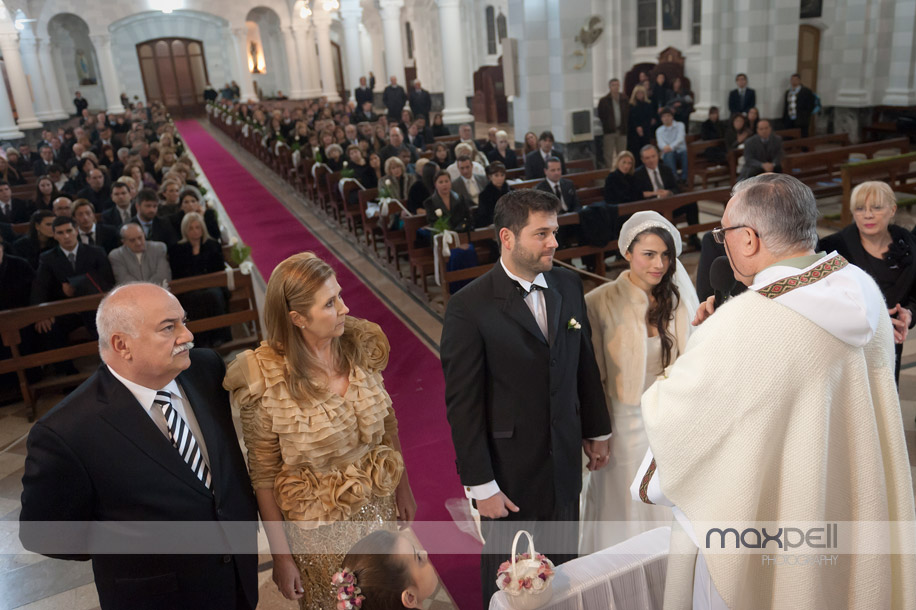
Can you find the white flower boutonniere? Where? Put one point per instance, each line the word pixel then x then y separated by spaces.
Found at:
pixel 573 325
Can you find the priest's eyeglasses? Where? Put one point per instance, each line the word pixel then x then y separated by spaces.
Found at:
pixel 718 234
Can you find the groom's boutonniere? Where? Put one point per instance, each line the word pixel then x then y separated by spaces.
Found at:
pixel 573 325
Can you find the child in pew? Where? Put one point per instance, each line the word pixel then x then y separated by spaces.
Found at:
pixel 385 571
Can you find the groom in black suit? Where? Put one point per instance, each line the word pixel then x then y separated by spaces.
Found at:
pixel 106 454
pixel 522 390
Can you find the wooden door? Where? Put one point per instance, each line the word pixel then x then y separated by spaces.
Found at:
pixel 809 46
pixel 174 72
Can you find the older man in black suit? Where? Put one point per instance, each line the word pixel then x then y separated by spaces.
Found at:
pixel 147 439
pixel 522 390
pixel 420 101
pixel 762 152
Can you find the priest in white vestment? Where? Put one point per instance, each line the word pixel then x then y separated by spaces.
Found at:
pixel 783 411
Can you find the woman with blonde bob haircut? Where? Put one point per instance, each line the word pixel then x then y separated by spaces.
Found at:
pixel 321 433
pixel 885 251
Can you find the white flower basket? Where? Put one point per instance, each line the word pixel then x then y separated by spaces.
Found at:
pixel 526 580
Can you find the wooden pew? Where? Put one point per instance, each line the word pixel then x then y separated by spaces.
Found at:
pixel 419 258
pixel 242 310
pixel 821 169
pixel 580 180
pixel 698 165
pixel 893 170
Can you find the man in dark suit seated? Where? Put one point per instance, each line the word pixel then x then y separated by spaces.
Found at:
pixel 121 211
pixel 563 188
pixel 762 152
pixel 95 190
pixel 70 269
pixel 155 228
pixel 13 211
pixel 147 441
pixel 742 98
pixel 16 276
pixel 91 232
pixel 536 160
pixel 45 161
pixel 395 145
pixel 523 392
pixel 657 180
pixel 365 113
pixel 565 191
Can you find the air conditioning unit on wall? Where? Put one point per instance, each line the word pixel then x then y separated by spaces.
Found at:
pixel 579 125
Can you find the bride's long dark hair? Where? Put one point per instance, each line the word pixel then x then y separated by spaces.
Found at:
pixel 665 293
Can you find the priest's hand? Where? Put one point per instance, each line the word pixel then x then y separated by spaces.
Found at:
pixel 598 453
pixel 496 506
pixel 706 309
pixel 901 317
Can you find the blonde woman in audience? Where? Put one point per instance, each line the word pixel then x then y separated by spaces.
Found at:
pixel 640 324
pixel 396 178
pixel 321 433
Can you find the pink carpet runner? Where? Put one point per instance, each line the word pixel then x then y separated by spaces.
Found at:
pixel 413 377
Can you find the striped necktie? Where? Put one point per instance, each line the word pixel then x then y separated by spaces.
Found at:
pixel 182 438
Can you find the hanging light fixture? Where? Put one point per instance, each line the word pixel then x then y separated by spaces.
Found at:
pixel 305 12
pixel 331 5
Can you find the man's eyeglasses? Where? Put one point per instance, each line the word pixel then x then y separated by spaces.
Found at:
pixel 718 234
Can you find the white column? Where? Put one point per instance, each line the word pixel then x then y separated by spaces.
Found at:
pixel 391 24
pixel 29 48
pixel 322 21
pixel 453 50
pixel 49 76
pixel 8 129
pixel 713 85
pixel 292 60
pixel 9 46
pixel 246 84
pixel 902 91
pixel 308 69
pixel 352 13
pixel 63 86
pixel 110 82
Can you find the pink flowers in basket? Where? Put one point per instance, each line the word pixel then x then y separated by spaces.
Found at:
pixel 528 576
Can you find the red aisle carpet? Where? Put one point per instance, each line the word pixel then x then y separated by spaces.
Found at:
pixel 413 377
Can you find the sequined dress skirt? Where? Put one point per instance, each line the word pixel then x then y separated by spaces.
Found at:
pixel 319 552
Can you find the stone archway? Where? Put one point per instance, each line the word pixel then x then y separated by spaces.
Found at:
pixel 76 60
pixel 267 59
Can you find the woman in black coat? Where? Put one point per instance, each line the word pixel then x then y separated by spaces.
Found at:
pixel 446 202
pixel 40 238
pixel 496 188
pixel 199 254
pixel 421 190
pixel 620 185
pixel 640 121
pixel 883 250
pixel 503 152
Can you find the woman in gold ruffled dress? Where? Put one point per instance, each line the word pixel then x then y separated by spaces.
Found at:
pixel 321 434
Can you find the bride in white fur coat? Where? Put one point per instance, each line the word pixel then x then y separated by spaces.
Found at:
pixel 640 324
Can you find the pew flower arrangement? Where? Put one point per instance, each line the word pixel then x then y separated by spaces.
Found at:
pixel 347 171
pixel 240 255
pixel 384 191
pixel 442 222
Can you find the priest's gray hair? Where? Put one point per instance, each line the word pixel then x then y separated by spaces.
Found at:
pixel 117 315
pixel 780 208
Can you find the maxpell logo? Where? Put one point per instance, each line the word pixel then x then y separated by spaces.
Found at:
pixel 784 537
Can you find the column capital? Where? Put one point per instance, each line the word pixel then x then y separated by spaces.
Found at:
pixel 9 38
pixel 100 39
pixel 321 19
pixel 239 32
pixel 448 3
pixel 391 9
pixel 351 13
